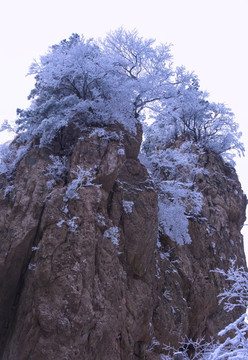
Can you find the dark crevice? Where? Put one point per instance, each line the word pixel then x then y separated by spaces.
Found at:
pixel 10 324
pixel 110 199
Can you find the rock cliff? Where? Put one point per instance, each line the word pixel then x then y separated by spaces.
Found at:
pixel 81 274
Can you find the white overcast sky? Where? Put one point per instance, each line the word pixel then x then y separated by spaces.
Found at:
pixel 208 36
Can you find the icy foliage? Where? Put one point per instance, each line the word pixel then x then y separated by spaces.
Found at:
pixel 100 219
pixel 8 191
pixel 237 293
pixel 173 172
pixel 104 134
pixel 127 206
pixel 112 233
pixel 124 79
pixel 178 163
pixel 4 166
pixel 70 223
pixel 202 350
pixel 10 156
pixel 172 220
pixel 121 152
pixel 6 126
pixel 83 177
pixel 166 294
pixel 35 248
pixel 177 202
pixel 56 170
pixel 101 133
pixel 31 266
pixel 235 346
pixel 89 83
pixel 191 113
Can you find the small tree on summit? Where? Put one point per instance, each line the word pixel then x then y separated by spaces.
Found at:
pixel 103 83
pixel 150 66
pixel 73 78
pixel 190 112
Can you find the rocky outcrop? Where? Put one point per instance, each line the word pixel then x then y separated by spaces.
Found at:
pixel 187 284
pixel 80 273
pixel 76 269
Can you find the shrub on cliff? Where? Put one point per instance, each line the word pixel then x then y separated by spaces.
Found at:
pixel 173 172
pixel 235 345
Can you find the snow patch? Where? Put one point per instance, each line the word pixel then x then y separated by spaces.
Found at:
pixel 127 206
pixel 84 177
pixel 113 234
pixel 121 152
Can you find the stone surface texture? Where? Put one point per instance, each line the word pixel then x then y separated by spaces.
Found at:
pixel 81 276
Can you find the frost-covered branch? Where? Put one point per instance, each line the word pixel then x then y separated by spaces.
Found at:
pixel 237 292
pixel 235 345
pixel 173 172
pixel 118 80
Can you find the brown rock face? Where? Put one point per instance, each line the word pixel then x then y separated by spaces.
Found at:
pixel 187 280
pixel 77 262
pixel 80 274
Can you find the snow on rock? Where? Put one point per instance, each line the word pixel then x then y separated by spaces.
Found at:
pixel 81 298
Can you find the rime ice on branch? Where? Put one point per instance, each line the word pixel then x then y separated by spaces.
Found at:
pixel 124 79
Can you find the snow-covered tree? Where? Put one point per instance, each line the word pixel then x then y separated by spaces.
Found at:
pixel 74 83
pixel 124 79
pixel 147 65
pixel 190 112
pixel 235 295
pixel 173 172
pixel 87 83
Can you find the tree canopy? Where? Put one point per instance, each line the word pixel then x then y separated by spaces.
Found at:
pixel 125 79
